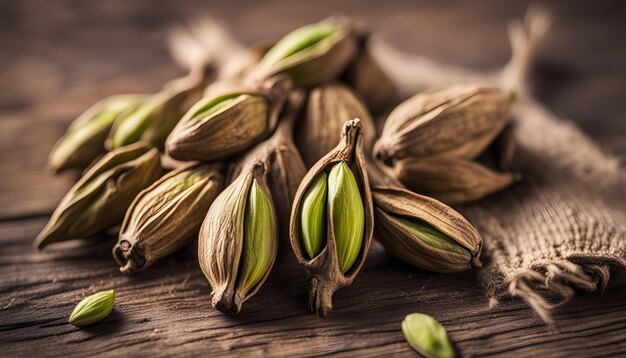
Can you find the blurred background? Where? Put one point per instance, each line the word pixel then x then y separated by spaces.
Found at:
pixel 58 57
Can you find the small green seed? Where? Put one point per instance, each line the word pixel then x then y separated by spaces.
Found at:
pixel 346 207
pixel 93 308
pixel 313 216
pixel 427 336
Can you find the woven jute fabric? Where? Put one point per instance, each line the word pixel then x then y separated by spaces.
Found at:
pixel 560 229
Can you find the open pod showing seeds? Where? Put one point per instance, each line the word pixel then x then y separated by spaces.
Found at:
pixel 166 216
pixel 312 54
pixel 424 232
pixel 153 119
pixel 228 120
pixel 329 107
pixel 100 198
pixel 458 122
pixel 84 140
pixel 332 219
pixel 451 180
pixel 238 239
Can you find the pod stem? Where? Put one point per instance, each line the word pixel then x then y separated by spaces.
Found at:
pixel 321 296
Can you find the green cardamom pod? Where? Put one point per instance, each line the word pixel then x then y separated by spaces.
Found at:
pixel 100 198
pixel 166 216
pixel 328 108
pixel 457 122
pixel 227 121
pixel 93 308
pixel 312 54
pixel 238 240
pixel 154 119
pixel 331 219
pixel 427 336
pixel 451 180
pixel 84 140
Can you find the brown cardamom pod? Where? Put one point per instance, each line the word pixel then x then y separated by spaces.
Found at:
pixel 166 216
pixel 238 239
pixel 328 108
pixel 453 181
pixel 228 120
pixel 458 122
pixel 332 219
pixel 420 230
pixel 369 80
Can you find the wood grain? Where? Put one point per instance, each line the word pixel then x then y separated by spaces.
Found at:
pixel 57 58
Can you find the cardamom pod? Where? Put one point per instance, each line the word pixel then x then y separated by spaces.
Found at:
pixel 332 220
pixel 228 120
pixel 329 106
pixel 166 216
pixel 153 120
pixel 423 231
pixel 285 166
pixel 451 180
pixel 238 239
pixel 100 198
pixel 369 80
pixel 457 122
pixel 93 308
pixel 84 140
pixel 427 336
pixel 312 54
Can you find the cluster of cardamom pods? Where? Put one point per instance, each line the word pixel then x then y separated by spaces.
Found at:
pixel 284 151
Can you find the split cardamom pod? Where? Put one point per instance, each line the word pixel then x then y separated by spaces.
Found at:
pixel 93 308
pixel 427 336
pixel 329 107
pixel 312 54
pixel 166 216
pixel 451 180
pixel 332 220
pixel 285 166
pixel 153 120
pixel 100 198
pixel 424 232
pixel 228 120
pixel 369 80
pixel 84 140
pixel 457 122
pixel 238 240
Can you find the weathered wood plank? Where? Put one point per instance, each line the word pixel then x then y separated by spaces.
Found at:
pixel 167 309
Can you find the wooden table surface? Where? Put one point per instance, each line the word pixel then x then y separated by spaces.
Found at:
pixel 59 57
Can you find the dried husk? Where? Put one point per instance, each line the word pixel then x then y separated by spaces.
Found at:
pixel 228 120
pixel 369 80
pixel 221 241
pixel 451 180
pixel 84 140
pixel 323 271
pixel 457 122
pixel 154 119
pixel 308 57
pixel 166 216
pixel 100 198
pixel 285 165
pixel 329 107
